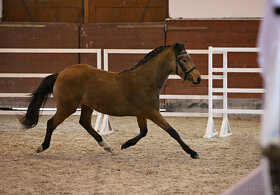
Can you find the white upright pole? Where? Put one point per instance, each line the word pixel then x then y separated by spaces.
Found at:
pixel 210 129
pixel 225 128
pixel 98 122
pixel 105 60
pixel 99 58
pixel 103 126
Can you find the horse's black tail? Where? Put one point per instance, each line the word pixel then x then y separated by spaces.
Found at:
pixel 38 100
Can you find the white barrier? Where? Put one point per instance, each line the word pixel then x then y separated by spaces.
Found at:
pixel 225 128
pixel 106 53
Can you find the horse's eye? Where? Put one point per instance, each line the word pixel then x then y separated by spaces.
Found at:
pixel 185 60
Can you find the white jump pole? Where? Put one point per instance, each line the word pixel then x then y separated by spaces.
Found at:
pixel 225 128
pixel 210 129
pixel 103 124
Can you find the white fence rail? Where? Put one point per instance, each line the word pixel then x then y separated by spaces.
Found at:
pixel 225 128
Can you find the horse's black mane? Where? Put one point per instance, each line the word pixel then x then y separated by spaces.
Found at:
pixel 149 56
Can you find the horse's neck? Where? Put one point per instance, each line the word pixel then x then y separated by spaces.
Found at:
pixel 155 71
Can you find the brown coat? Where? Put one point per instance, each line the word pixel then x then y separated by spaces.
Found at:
pixel 133 92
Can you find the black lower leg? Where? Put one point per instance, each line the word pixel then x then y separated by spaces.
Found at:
pixel 50 129
pixel 91 131
pixel 133 141
pixel 173 133
pixel 85 121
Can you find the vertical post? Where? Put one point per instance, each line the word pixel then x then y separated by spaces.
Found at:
pixel 210 82
pixel 98 122
pixel 104 126
pixel 210 129
pixel 105 60
pixel 99 58
pixel 85 11
pixel 225 102
pixel 225 128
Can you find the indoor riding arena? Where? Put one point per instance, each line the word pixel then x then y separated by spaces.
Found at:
pixel 219 117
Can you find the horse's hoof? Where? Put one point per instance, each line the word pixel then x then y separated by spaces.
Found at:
pixel 40 149
pixel 195 156
pixel 109 149
pixel 105 146
pixel 124 146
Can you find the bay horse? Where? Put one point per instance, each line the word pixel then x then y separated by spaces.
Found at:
pixel 133 92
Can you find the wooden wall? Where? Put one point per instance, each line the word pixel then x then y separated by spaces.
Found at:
pixel 128 11
pixel 39 35
pixel 121 36
pixel 199 34
pixel 43 11
pixel 79 11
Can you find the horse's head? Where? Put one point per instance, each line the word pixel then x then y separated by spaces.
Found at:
pixel 184 66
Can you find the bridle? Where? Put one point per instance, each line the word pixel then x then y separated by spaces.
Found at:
pixel 178 62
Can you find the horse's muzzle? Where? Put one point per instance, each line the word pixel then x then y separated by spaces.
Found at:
pixel 198 80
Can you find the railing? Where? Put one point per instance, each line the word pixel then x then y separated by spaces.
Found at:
pixel 225 128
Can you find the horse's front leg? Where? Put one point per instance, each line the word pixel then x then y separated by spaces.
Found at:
pixel 142 123
pixel 158 119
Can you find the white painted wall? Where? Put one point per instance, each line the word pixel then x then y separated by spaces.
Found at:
pixel 216 8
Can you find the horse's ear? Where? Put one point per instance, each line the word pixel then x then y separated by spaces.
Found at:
pixel 179 47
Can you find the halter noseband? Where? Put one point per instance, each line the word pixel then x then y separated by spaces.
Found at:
pixel 178 62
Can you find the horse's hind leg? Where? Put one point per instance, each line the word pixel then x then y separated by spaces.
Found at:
pixel 56 120
pixel 85 121
pixel 160 121
pixel 142 123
